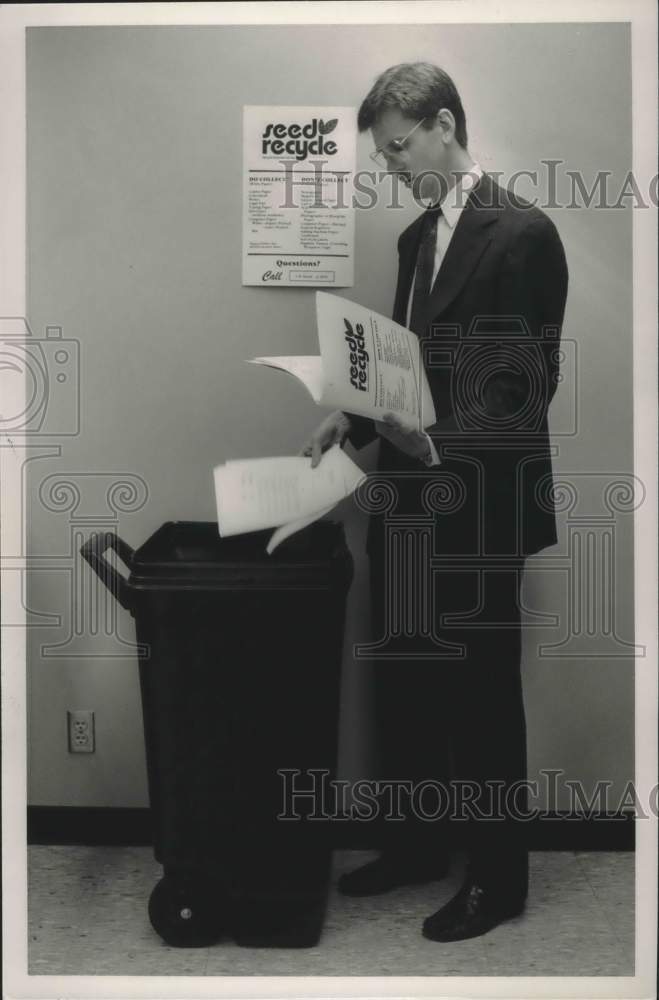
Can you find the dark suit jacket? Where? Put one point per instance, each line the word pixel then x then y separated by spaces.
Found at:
pixel 490 347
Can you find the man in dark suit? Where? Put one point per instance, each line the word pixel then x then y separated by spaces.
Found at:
pixel 482 280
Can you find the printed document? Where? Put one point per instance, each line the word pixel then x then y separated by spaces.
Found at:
pixel 283 492
pixel 368 365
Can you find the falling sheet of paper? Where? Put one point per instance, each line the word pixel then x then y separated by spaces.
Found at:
pixel 257 493
pixel 289 529
pixel 308 369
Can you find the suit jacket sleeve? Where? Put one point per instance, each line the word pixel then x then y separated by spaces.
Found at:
pixel 531 291
pixel 362 430
pixel 533 286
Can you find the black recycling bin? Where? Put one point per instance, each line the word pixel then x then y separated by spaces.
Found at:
pixel 240 678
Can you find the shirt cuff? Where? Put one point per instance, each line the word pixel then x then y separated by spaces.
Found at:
pixel 434 458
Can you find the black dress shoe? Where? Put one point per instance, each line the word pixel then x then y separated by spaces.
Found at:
pixel 473 911
pixel 391 870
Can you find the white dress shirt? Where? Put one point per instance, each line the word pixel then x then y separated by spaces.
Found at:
pixel 452 205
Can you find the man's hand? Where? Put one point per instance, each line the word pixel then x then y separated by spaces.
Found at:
pixel 407 440
pixel 331 431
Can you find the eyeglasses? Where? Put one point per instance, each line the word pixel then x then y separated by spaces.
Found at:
pixel 393 147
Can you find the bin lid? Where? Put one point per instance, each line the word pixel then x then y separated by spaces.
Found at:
pixel 192 554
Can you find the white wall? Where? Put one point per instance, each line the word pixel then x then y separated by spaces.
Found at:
pixel 134 238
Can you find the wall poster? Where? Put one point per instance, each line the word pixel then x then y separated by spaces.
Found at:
pixel 298 217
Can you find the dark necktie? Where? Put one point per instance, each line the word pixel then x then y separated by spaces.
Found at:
pixel 425 264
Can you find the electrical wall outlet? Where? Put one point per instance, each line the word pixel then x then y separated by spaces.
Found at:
pixel 81 731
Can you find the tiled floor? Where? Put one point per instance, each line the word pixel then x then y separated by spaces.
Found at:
pixel 88 916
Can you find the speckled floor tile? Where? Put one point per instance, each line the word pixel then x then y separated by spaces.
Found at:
pixel 88 916
pixel 563 930
pixel 612 876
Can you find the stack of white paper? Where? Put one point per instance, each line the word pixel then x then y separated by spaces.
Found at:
pixel 283 492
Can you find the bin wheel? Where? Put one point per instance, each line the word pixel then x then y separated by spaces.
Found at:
pixel 186 913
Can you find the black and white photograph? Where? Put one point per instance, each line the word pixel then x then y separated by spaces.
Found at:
pixel 328 453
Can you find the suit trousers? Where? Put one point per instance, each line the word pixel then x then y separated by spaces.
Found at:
pixel 450 721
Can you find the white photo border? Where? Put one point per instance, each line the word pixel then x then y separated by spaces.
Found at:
pixel 641 14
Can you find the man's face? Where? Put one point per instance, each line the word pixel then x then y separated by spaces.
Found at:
pixel 424 151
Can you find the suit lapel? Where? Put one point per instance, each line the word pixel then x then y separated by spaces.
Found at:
pixel 472 235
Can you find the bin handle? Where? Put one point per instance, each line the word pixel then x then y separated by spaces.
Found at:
pixel 94 552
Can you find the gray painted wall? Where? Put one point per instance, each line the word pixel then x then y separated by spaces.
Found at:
pixel 134 240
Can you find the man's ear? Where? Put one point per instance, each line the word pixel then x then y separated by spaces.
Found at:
pixel 445 121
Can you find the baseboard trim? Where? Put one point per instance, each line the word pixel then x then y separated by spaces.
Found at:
pixel 89 825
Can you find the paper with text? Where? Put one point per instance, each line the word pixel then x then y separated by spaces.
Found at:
pixel 368 364
pixel 298 216
pixel 253 494
pixel 371 365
